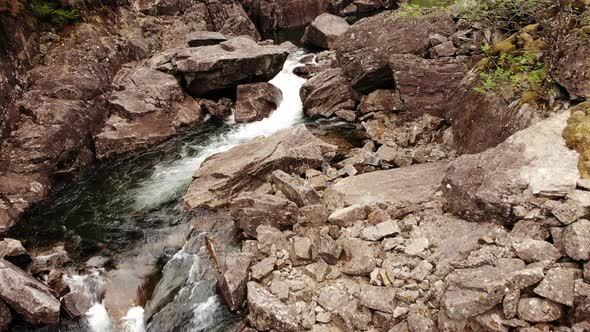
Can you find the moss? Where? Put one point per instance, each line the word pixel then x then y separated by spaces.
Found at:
pixel 529 97
pixel 508 45
pixel 577 136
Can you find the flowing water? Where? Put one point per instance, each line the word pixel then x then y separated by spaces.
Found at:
pixel 129 209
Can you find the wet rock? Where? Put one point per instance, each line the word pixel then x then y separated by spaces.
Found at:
pixel 324 31
pixel 232 282
pixel 572 66
pixel 210 69
pixel 576 240
pixel 76 304
pixel 538 310
pixel 486 186
pixel 327 93
pixel 51 259
pixel 221 176
pixel 535 251
pixel 408 185
pixel 267 312
pixel 381 101
pixel 220 110
pixel 436 79
pixel 256 101
pixel 56 281
pixel 379 231
pixel 5 316
pixel 251 209
pixel 149 106
pixel 27 296
pixel 14 252
pixel 345 217
pixel 359 259
pixel 558 286
pixel 364 49
pixel 205 38
pixel 296 192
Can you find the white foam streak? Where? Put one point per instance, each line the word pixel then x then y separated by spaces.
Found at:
pixel 168 180
pixel 98 319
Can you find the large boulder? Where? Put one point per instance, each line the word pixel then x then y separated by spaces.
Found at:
pixel 27 296
pixel 271 15
pixel 324 31
pixel 222 176
pixel 256 101
pixel 148 106
pixel 267 312
pixel 364 49
pixel 572 67
pixel 252 209
pixel 211 69
pixel 488 185
pixel 483 120
pixel 14 252
pixel 327 93
pixel 230 18
pixel 408 185
pixel 424 85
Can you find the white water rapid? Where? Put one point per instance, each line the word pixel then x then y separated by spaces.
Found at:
pixel 169 180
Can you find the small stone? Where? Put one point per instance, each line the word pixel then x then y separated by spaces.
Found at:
pixel 266 312
pixel 359 257
pixel 568 212
pixel 296 192
pixel 408 296
pixel 263 268
pixel 374 278
pixel 385 279
pixel 416 246
pixel 576 240
pixel 379 231
pixel 421 271
pixel 323 317
pixel 535 250
pixel 558 286
pixel 317 270
pixel 347 216
pixel 280 289
pixel 377 216
pixel 347 170
pixel 510 303
pixel 377 298
pixel 301 247
pixel 329 250
pixel 399 311
pixel 538 310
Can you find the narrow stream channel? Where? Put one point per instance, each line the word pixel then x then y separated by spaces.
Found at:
pixel 129 209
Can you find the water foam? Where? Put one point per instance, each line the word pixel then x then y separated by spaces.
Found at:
pixel 169 180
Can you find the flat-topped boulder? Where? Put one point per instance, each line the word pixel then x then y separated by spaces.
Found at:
pixel 324 31
pixel 408 185
pixel 211 69
pixel 27 296
pixel 244 168
pixel 534 161
pixel 205 38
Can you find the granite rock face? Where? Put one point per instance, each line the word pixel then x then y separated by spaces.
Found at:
pixel 324 31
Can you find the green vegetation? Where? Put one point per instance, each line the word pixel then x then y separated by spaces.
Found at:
pixel 577 136
pixel 508 15
pixel 522 72
pixel 409 10
pixel 54 13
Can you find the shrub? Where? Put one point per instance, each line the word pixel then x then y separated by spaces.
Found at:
pixel 54 13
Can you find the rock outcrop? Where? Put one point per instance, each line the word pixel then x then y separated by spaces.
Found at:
pixel 148 107
pixel 534 161
pixel 272 15
pixel 572 65
pixel 324 31
pixel 364 49
pixel 27 296
pixel 251 209
pixel 256 101
pixel 221 176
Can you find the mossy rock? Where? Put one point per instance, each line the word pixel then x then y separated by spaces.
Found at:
pixel 577 136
